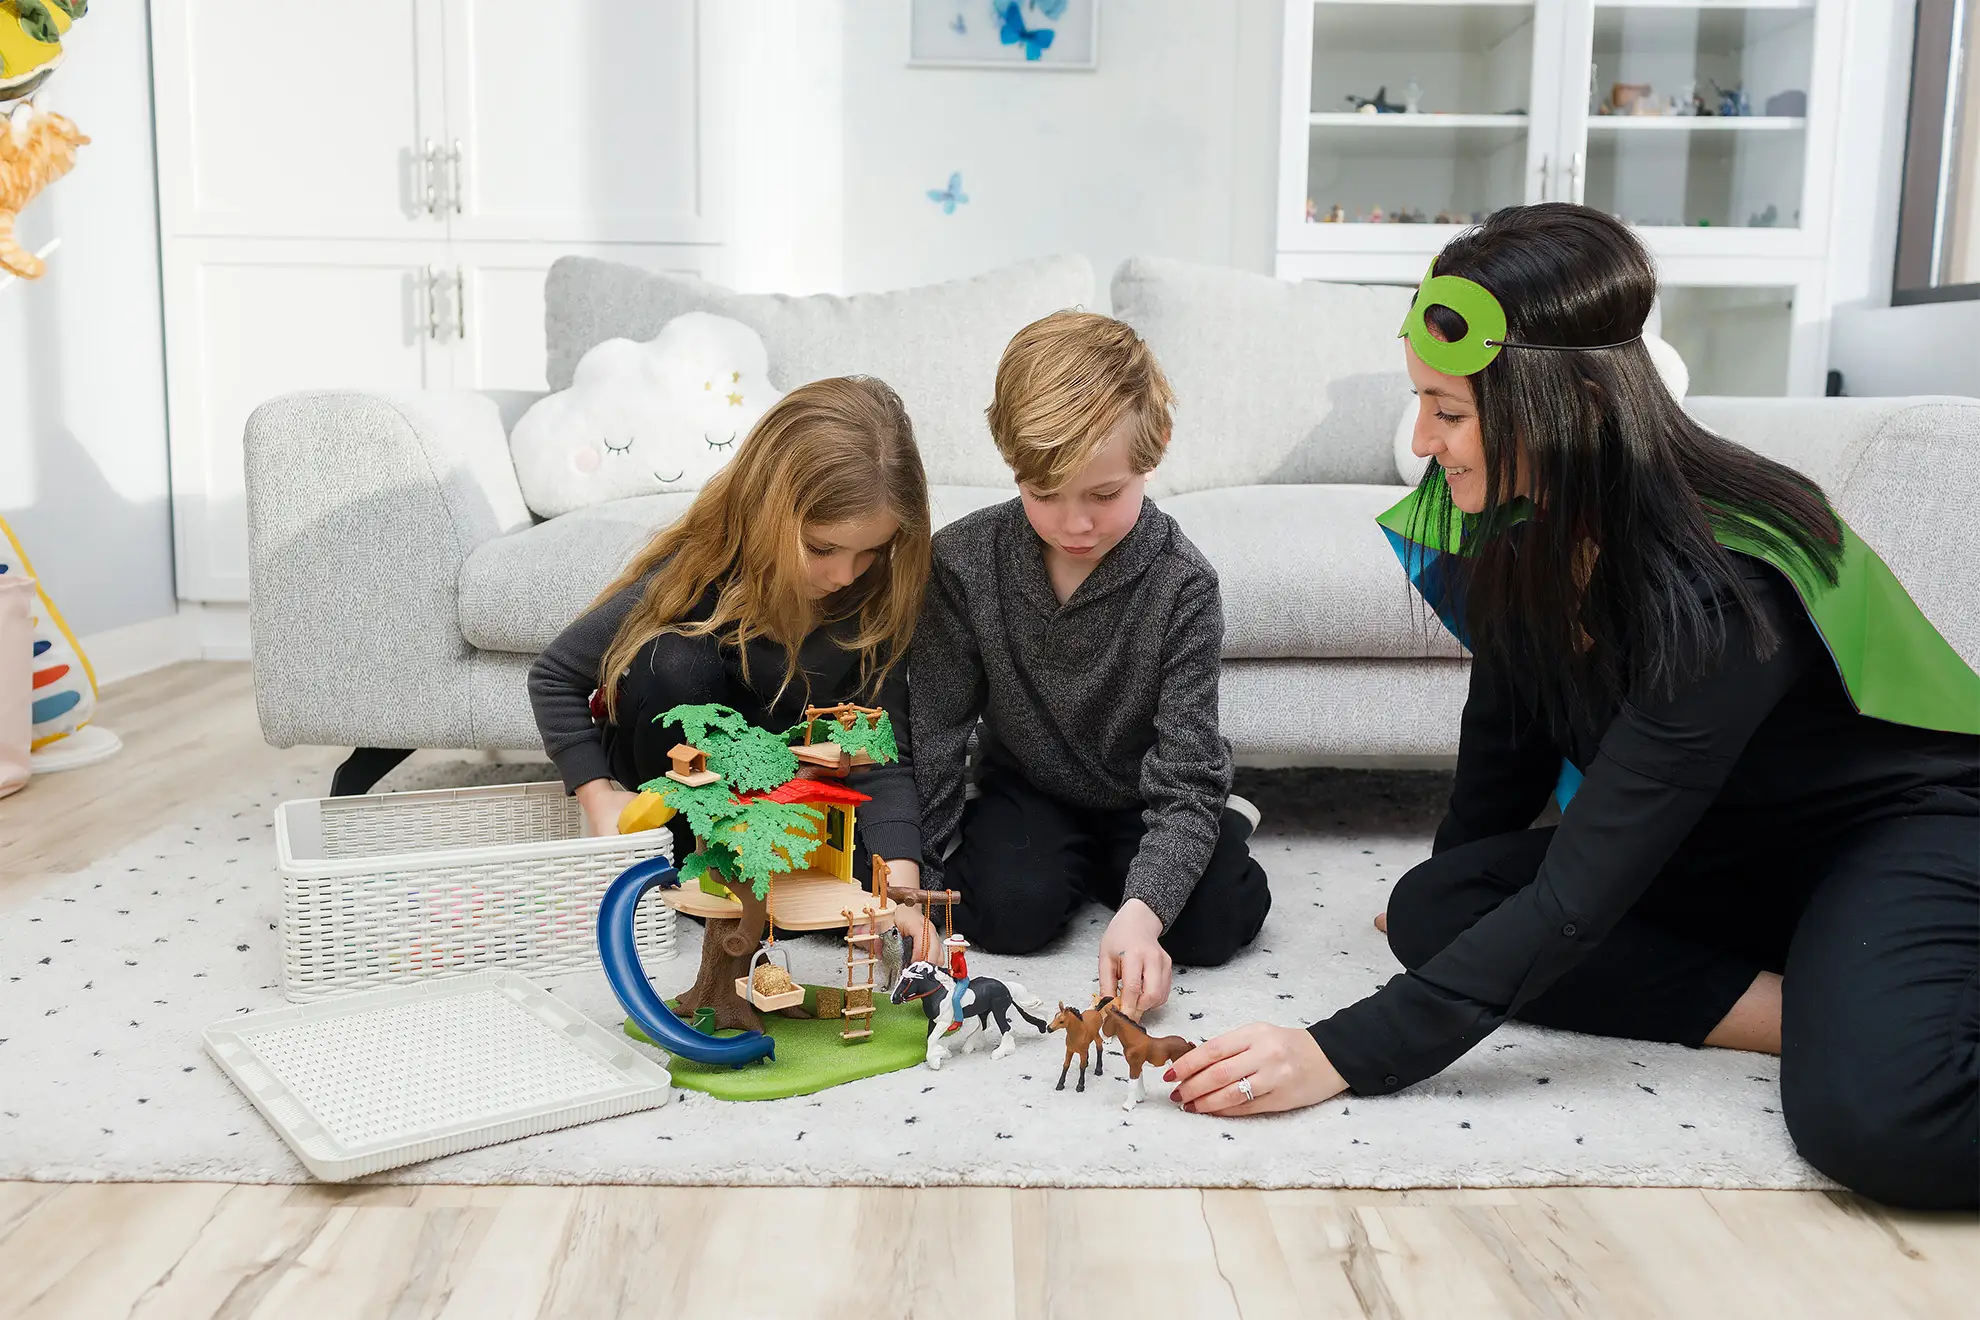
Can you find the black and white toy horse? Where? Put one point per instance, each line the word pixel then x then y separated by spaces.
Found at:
pixel 982 999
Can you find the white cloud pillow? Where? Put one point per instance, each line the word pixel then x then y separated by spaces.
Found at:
pixel 1677 379
pixel 640 419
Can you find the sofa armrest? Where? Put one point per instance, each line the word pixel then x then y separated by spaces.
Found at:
pixel 361 510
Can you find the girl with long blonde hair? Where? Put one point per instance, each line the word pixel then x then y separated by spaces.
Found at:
pixel 794 579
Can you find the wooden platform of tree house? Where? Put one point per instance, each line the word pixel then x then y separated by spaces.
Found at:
pixel 803 900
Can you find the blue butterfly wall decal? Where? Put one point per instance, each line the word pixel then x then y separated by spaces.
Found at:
pixel 959 25
pixel 1036 40
pixel 1050 8
pixel 950 197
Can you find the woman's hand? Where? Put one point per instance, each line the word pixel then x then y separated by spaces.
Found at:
pixel 1286 1066
pixel 602 802
pixel 1134 967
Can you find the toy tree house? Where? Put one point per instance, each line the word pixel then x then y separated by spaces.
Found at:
pixel 821 894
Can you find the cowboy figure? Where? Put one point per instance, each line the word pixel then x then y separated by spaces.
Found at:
pixel 959 973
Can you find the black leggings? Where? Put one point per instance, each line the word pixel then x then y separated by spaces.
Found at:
pixel 1878 940
pixel 1027 861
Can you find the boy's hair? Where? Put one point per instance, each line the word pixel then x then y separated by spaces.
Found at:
pixel 1064 384
pixel 828 452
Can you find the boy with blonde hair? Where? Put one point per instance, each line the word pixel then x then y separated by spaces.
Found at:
pixel 1085 632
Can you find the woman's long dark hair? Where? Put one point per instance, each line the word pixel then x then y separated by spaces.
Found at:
pixel 1606 590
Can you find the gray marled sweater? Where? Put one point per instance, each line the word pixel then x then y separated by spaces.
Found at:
pixel 1108 701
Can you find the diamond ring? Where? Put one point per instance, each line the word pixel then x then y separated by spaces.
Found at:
pixel 1244 1087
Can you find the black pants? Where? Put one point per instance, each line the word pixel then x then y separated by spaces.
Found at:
pixel 1027 861
pixel 1878 941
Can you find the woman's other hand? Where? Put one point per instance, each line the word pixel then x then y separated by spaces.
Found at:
pixel 1286 1068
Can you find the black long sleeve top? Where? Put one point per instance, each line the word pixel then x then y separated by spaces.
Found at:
pixel 564 675
pixel 1749 758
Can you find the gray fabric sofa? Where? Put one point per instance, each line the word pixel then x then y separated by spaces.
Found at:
pixel 400 586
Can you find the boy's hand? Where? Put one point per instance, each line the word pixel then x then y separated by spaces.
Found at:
pixel 602 801
pixel 1134 967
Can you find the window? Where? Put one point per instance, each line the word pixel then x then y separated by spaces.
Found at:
pixel 1938 253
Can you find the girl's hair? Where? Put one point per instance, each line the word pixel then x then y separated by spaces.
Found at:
pixel 1611 461
pixel 832 451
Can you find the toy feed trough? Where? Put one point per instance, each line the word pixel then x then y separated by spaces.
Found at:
pixel 768 1002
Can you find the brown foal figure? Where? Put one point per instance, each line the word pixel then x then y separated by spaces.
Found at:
pixel 1140 1048
pixel 1082 1033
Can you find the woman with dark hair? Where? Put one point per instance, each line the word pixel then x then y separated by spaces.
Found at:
pixel 1768 759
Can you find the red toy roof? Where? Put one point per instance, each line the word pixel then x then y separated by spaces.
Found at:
pixel 812 791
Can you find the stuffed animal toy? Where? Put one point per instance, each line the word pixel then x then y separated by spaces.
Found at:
pixel 31 42
pixel 63 685
pixel 643 419
pixel 36 148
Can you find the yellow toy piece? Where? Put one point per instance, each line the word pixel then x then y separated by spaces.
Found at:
pixel 26 59
pixel 648 811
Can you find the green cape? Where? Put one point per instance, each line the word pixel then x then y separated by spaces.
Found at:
pixel 1893 663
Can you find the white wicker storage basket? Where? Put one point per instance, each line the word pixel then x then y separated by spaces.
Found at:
pixel 396 888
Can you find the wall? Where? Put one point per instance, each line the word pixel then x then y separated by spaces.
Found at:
pixel 83 474
pixel 1881 349
pixel 1168 149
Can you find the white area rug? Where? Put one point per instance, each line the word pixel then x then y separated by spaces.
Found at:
pixel 107 977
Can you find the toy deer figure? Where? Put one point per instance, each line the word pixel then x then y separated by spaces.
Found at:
pixel 37 147
pixel 1140 1049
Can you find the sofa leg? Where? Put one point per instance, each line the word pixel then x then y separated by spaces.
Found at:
pixel 364 767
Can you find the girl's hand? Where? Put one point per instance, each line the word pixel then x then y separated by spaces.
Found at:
pixel 602 801
pixel 1134 967
pixel 1287 1068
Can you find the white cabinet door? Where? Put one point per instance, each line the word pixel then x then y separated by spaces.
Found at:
pixel 578 122
pixel 277 118
pixel 492 305
pixel 248 320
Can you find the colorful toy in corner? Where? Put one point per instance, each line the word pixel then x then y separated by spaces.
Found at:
pixel 37 147
pixel 31 42
pixel 774 838
pixel 64 691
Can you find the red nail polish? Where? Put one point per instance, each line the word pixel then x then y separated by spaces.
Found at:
pixel 1176 1094
pixel 1169 1076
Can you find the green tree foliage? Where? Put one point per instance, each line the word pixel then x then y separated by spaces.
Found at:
pixel 747 841
pixel 872 735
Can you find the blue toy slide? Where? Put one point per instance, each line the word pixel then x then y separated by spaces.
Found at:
pixel 642 1003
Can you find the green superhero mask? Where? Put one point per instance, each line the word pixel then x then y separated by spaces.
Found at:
pixel 1484 327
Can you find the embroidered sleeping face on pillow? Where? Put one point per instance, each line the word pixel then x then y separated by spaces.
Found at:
pixel 641 419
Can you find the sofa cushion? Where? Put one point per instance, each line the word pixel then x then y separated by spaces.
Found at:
pixel 937 345
pixel 1305 573
pixel 1276 382
pixel 519 591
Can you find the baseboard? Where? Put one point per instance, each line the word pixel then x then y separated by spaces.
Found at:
pixel 199 631
pixel 120 653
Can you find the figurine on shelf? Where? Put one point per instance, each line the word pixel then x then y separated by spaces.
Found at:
pixel 1336 214
pixel 1624 98
pixel 1140 1049
pixel 1312 211
pixel 1444 218
pixel 1733 102
pixel 1409 216
pixel 1379 104
pixel 1082 1035
pixel 1788 105
pixel 1374 217
pixel 1413 97
pixel 1766 219
pixel 981 999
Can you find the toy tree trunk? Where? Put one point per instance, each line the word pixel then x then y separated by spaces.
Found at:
pixel 727 945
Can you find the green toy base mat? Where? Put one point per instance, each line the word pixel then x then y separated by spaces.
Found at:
pixel 810 1054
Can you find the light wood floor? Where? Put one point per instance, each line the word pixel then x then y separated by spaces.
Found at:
pixel 204 1249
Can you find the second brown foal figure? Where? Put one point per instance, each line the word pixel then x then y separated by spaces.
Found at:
pixel 1082 1030
pixel 1140 1048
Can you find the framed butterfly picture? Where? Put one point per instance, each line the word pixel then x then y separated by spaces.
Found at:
pixel 1004 34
